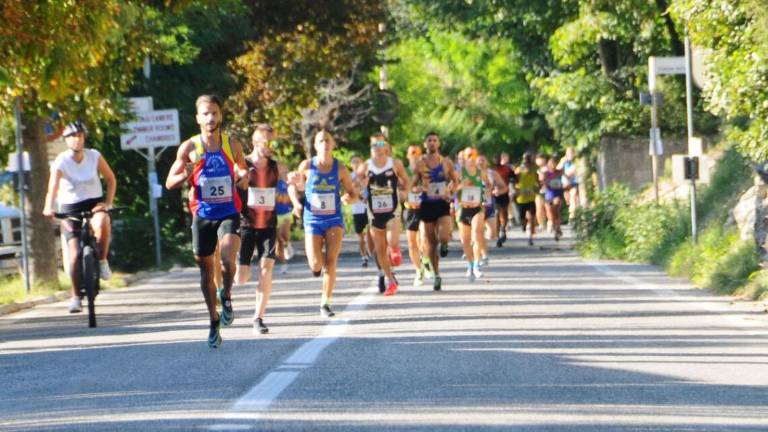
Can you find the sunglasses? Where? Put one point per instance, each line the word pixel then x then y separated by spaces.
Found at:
pixel 379 144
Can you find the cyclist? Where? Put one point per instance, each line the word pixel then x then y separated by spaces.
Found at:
pixel 471 194
pixel 324 179
pixel 213 164
pixel 258 220
pixel 74 183
pixel 411 217
pixel 437 179
pixel 383 176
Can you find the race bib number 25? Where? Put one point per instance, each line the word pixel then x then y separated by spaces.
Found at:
pixel 216 189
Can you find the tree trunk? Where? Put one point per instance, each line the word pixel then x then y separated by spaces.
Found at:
pixel 43 262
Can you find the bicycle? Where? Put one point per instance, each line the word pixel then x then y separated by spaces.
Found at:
pixel 88 258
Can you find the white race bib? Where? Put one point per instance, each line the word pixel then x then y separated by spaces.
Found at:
pixel 261 198
pixel 216 189
pixel 382 203
pixel 470 195
pixel 555 183
pixel 414 199
pixel 436 190
pixel 323 203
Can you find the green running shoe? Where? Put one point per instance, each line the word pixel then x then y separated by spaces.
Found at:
pixel 214 336
pixel 437 286
pixel 227 313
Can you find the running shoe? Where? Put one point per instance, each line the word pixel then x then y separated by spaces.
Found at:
pixel 284 268
pixel 499 242
pixel 463 256
pixel 470 273
pixel 214 335
pixel 530 242
pixel 326 312
pixel 75 305
pixel 105 273
pixel 429 273
pixel 443 250
pixel 259 327
pixel 395 256
pixel 419 279
pixel 382 283
pixel 365 261
pixel 227 313
pixel 289 253
pixel 476 272
pixel 484 261
pixel 437 286
pixel 391 289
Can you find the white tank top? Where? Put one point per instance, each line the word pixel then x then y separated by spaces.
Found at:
pixel 79 181
pixel 359 206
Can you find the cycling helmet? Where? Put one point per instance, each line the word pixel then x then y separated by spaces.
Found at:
pixel 73 128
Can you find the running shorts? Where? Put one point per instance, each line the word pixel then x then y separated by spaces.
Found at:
pixel 263 240
pixel 360 221
pixel 207 232
pixel 71 227
pixel 411 219
pixel 526 207
pixel 502 201
pixel 467 213
pixel 431 211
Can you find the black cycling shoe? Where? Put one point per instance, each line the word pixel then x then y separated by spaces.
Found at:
pixel 443 250
pixel 214 336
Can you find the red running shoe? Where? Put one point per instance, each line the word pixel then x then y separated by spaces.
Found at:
pixel 391 289
pixel 395 256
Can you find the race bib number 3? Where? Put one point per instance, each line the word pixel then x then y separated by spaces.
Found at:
pixel 382 203
pixel 323 203
pixel 216 189
pixel 436 190
pixel 470 196
pixel 261 198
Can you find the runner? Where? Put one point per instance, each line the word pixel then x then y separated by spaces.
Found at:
pixel 258 220
pixel 360 216
pixel 506 172
pixel 552 181
pixel 411 217
pixel 527 190
pixel 212 163
pixel 471 191
pixel 383 176
pixel 437 181
pixel 497 187
pixel 284 210
pixel 74 183
pixel 541 213
pixel 570 181
pixel 324 179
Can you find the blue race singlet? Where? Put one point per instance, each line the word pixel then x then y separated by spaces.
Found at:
pixel 322 196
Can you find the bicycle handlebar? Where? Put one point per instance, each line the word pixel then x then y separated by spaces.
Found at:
pixel 86 214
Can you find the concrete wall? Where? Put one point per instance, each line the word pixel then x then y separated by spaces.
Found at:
pixel 626 160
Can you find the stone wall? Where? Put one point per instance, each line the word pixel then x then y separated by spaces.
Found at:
pixel 626 160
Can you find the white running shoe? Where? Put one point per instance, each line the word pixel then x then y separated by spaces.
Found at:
pixel 284 268
pixel 470 274
pixel 75 305
pixel 104 271
pixel 484 261
pixel 419 279
pixel 477 272
pixel 289 251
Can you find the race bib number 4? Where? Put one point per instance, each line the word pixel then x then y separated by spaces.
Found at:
pixel 261 198
pixel 436 190
pixel 470 196
pixel 216 189
pixel 382 203
pixel 323 203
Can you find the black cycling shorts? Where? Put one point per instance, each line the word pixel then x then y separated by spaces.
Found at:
pixel 467 213
pixel 411 219
pixel 263 240
pixel 432 211
pixel 360 221
pixel 207 232
pixel 71 227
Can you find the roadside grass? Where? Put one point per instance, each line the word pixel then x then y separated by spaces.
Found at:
pixel 620 226
pixel 12 288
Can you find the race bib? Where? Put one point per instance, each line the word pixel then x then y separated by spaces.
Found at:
pixel 382 203
pixel 414 199
pixel 323 203
pixel 261 198
pixel 436 190
pixel 555 183
pixel 470 195
pixel 216 189
pixel 527 193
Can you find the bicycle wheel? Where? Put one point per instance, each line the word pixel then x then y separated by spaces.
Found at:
pixel 90 281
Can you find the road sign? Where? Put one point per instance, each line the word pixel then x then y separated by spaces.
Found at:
pixel 152 129
pixel 141 104
pixel 664 66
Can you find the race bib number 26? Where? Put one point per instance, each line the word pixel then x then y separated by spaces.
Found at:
pixel 382 203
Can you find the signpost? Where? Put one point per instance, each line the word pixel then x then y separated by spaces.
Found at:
pixel 151 130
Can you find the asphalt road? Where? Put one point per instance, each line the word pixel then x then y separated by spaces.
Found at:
pixel 546 341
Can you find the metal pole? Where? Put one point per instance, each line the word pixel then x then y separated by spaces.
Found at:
pixel 152 180
pixel 383 84
pixel 689 112
pixel 22 193
pixel 654 154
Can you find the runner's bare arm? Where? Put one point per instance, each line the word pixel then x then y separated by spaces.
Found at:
pixel 241 170
pixel 109 179
pixel 53 191
pixel 402 175
pixel 347 184
pixel 182 166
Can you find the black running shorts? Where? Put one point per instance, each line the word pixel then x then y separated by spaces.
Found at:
pixel 207 232
pixel 263 240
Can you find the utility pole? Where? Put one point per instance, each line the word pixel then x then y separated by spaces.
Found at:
pixel 383 84
pixel 654 137
pixel 689 114
pixel 22 193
